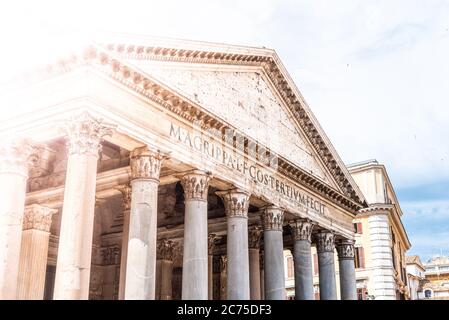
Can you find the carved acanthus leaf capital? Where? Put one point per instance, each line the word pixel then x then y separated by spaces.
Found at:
pixel 38 217
pixel 345 249
pixel 325 241
pixel 273 218
pixel 146 163
pixel 166 249
pixel 15 156
pixel 85 133
pixel 302 229
pixel 195 184
pixel 212 241
pixel 254 236
pixel 236 202
pixel 126 196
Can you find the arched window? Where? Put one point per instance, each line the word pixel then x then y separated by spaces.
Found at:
pixel 428 293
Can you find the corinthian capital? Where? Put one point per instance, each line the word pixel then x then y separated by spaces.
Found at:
pixel 212 240
pixel 273 218
pixel 38 217
pixel 254 236
pixel 85 133
pixel 236 202
pixel 325 241
pixel 146 164
pixel 345 249
pixel 166 250
pixel 302 229
pixel 126 196
pixel 195 184
pixel 15 156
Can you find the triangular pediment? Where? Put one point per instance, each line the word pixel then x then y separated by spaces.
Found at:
pixel 246 100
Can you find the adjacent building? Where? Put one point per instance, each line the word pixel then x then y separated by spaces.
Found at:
pixel 436 283
pixel 415 275
pixel 381 239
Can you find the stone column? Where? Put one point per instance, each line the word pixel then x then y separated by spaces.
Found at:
pixel 165 255
pixel 273 218
pixel 126 194
pixel 326 265
pixel 14 159
pixel 262 276
pixel 84 135
pixel 223 276
pixel 194 271
pixel 210 278
pixel 348 288
pixel 140 283
pixel 254 236
pixel 236 204
pixel 302 257
pixel 34 252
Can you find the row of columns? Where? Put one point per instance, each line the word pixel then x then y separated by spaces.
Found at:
pixel 139 259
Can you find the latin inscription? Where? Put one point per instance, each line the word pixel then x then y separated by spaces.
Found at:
pixel 250 170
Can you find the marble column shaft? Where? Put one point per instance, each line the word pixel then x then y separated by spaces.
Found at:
pixel 223 276
pixel 262 276
pixel 326 265
pixel 140 283
pixel 126 194
pixel 195 257
pixel 348 288
pixel 254 235
pixel 236 204
pixel 14 157
pixel 77 220
pixel 34 252
pixel 273 218
pixel 302 232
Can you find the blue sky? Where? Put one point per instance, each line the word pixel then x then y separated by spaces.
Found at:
pixel 375 73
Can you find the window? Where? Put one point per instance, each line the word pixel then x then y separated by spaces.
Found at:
pixel 358 227
pixel 428 293
pixel 361 293
pixel 359 259
pixel 316 292
pixel 290 268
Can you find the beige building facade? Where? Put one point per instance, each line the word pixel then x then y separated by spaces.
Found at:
pixel 158 169
pixel 435 286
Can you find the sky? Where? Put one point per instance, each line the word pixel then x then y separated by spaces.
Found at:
pixel 375 73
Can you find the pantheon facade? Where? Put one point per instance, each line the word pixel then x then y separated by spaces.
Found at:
pixel 168 169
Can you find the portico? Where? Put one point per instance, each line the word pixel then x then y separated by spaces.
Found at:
pixel 192 192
